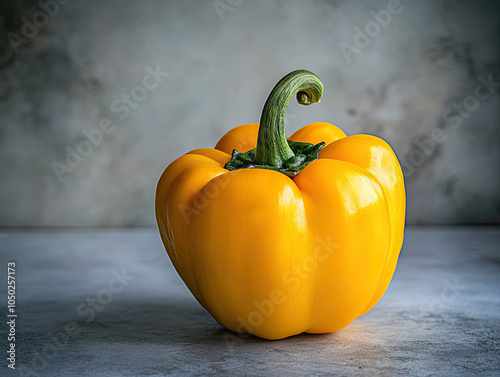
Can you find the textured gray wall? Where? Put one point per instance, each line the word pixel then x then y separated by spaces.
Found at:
pixel 405 81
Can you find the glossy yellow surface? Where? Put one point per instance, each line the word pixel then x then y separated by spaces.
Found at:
pixel 276 256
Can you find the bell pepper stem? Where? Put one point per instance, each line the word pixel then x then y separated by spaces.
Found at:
pixel 274 151
pixel 272 146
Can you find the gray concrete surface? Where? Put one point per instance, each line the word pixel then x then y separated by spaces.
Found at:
pixel 402 85
pixel 439 317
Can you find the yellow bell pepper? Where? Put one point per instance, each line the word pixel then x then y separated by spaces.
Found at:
pixel 276 239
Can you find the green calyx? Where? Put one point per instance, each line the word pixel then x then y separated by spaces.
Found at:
pixel 303 154
pixel 273 150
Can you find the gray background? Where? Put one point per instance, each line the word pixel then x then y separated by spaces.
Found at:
pixel 64 79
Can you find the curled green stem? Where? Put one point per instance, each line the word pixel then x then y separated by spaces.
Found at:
pixel 273 150
pixel 272 147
